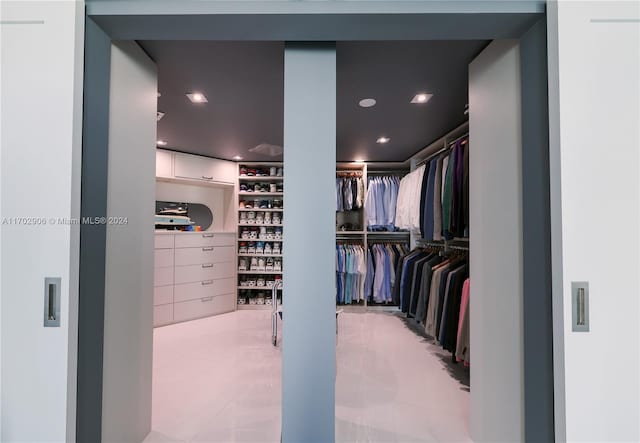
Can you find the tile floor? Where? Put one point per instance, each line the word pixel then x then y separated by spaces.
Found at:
pixel 218 380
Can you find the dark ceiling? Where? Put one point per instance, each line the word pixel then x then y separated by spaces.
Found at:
pixel 243 82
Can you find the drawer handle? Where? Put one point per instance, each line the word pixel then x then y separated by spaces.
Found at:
pixel 208 265
pixel 207 178
pixel 207 235
pixel 206 299
pixel 207 282
pixel 207 249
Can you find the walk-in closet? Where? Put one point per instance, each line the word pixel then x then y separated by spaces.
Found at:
pixel 402 287
pixel 364 194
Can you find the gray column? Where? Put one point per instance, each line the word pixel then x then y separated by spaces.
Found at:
pixel 308 349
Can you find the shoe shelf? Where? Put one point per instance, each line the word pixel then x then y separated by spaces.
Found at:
pixel 260 179
pixel 250 294
pixel 261 272
pixel 263 194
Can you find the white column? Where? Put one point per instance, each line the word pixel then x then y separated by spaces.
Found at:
pixel 308 349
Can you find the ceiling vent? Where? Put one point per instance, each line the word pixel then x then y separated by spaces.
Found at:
pixel 267 149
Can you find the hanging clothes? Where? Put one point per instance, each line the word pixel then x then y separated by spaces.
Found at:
pixel 381 201
pixel 408 200
pixel 434 290
pixel 349 193
pixel 351 268
pixel 443 205
pixel 383 259
pixel 463 346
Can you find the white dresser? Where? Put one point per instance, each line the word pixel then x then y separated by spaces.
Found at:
pixel 194 275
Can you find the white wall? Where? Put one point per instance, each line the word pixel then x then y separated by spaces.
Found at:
pixel 215 198
pixel 128 330
pixel 495 183
pixel 595 149
pixel 41 117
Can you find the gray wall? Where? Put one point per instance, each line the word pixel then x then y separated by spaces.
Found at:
pixel 497 397
pixel 128 309
pixel 536 240
pixel 308 350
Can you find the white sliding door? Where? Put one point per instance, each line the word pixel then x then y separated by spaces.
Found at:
pixel 128 314
pixel 495 183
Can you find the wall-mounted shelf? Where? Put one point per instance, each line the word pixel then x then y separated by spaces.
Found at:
pixel 260 179
pixel 279 240
pixel 256 288
pixel 263 194
pixel 260 272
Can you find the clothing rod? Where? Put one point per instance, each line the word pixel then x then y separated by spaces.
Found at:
pixel 450 145
pixel 435 154
pixel 392 172
pixel 437 145
pixel 466 134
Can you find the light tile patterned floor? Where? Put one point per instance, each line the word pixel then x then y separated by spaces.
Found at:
pixel 218 380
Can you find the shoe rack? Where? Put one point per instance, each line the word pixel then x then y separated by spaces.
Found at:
pixel 260 237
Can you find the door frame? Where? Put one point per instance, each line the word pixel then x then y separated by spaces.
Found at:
pixel 326 21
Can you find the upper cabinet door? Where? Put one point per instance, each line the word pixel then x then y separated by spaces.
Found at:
pixel 164 163
pixel 202 168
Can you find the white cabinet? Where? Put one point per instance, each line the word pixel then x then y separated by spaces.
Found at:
pixel 162 295
pixel 162 276
pixel 194 276
pixel 162 315
pixel 204 239
pixel 163 241
pixel 202 168
pixel 163 258
pixel 203 289
pixel 210 254
pixel 164 163
pixel 203 272
pixel 203 307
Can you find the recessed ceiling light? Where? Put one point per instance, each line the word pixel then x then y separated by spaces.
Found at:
pixel 159 115
pixel 197 97
pixel 422 97
pixel 159 94
pixel 359 160
pixel 161 143
pixel 383 140
pixel 237 157
pixel 367 102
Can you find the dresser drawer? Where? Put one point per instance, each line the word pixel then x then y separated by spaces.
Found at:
pixel 198 290
pixel 201 239
pixel 207 254
pixel 207 271
pixel 163 258
pixel 162 295
pixel 164 241
pixel 163 276
pixel 162 315
pixel 204 307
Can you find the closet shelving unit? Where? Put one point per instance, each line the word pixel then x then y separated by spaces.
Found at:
pixel 362 236
pixel 250 296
